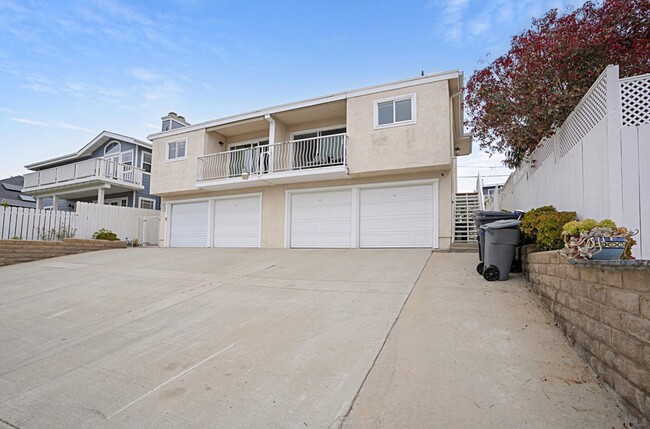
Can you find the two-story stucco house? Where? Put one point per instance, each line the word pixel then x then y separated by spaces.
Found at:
pixel 371 167
pixel 111 169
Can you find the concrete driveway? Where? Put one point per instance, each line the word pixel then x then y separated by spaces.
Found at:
pixel 197 338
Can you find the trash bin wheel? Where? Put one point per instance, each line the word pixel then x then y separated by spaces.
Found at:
pixel 491 273
pixel 515 267
pixel 479 268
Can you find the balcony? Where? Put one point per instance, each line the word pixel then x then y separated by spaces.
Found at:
pixel 312 159
pixel 90 172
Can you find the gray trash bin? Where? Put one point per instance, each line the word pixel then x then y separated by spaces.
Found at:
pixel 501 239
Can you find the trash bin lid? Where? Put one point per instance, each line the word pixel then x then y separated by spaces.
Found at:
pixel 502 224
pixel 485 215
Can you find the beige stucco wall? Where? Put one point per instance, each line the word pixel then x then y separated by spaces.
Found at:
pixel 425 143
pixel 211 143
pixel 177 175
pixel 401 149
pixel 273 203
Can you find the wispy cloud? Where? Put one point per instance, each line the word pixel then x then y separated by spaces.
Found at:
pixel 453 12
pixel 51 124
pixel 73 127
pixel 12 6
pixel 473 21
pixel 30 122
pixel 151 126
pixel 142 74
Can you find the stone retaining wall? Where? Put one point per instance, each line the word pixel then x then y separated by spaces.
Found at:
pixel 16 251
pixel 604 309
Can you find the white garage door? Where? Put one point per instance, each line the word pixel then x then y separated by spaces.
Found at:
pixel 237 222
pixel 396 217
pixel 321 219
pixel 189 225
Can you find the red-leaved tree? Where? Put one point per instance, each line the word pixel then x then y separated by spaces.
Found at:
pixel 524 95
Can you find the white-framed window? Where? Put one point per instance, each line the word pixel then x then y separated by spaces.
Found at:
pixel 177 150
pixel 119 202
pixel 113 148
pixel 146 162
pixel 400 110
pixel 147 203
pixel 127 158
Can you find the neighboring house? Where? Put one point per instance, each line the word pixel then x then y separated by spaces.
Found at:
pixel 111 169
pixel 373 167
pixel 11 194
pixel 490 190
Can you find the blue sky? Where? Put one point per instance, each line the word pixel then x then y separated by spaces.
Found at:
pixel 70 69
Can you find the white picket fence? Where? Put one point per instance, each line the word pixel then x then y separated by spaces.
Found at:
pixel 597 163
pixel 127 223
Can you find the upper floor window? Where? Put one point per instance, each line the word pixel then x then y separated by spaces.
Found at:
pixel 112 148
pixel 127 158
pixel 176 150
pixel 146 162
pixel 395 111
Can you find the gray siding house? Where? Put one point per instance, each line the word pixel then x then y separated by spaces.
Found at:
pixel 111 169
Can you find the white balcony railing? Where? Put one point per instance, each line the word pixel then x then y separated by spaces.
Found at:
pixel 91 169
pixel 317 152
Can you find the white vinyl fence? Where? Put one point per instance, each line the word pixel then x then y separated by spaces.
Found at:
pixel 597 163
pixel 127 223
pixel 32 224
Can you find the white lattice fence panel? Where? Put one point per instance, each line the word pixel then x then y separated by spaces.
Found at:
pixel 635 100
pixel 588 113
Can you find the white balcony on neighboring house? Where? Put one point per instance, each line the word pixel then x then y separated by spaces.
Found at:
pixel 311 159
pixel 92 177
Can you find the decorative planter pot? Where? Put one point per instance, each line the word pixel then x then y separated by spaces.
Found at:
pixel 613 248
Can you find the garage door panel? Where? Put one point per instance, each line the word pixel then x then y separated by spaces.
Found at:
pixel 321 219
pixel 237 222
pixel 189 224
pixel 396 217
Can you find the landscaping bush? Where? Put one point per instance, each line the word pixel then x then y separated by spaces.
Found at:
pixel 543 227
pixel 105 234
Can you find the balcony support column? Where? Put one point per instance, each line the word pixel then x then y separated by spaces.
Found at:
pixel 55 202
pixel 39 203
pixel 100 195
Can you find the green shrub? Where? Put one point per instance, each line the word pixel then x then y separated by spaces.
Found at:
pixel 572 228
pixel 543 227
pixel 607 223
pixel 587 225
pixel 104 234
pixel 530 222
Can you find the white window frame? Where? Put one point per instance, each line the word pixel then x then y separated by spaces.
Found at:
pixel 413 119
pixel 107 202
pixel 233 146
pixel 119 148
pixel 141 199
pixel 167 158
pixel 293 134
pixel 151 160
pixel 132 157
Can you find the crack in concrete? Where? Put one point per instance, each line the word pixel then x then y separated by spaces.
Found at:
pixel 341 419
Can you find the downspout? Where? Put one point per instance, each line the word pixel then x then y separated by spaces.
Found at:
pixel 271 121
